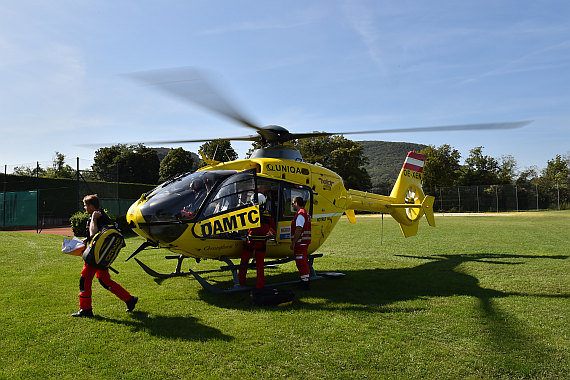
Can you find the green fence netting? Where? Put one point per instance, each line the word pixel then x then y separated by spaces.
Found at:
pixel 19 208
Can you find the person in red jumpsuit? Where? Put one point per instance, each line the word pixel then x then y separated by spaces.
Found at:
pixel 255 244
pixel 96 222
pixel 300 240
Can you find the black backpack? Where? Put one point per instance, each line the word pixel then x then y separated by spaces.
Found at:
pixel 104 247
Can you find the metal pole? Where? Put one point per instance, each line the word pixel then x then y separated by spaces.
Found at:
pixel 4 202
pixel 478 209
pixel 117 195
pixel 37 197
pixel 459 198
pixel 497 196
pixel 517 197
pixel 77 187
pixel 536 187
pixel 558 197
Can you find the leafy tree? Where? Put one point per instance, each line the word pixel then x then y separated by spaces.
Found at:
pixel 177 161
pixel 442 166
pixel 479 169
pixel 218 150
pixel 507 170
pixel 29 172
pixel 134 163
pixel 339 154
pixel 557 170
pixel 254 146
pixel 59 168
pixel 106 162
pixel 527 176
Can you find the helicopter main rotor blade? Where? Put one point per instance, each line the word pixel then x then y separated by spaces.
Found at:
pixel 192 85
pixel 238 138
pixel 440 128
pixel 295 136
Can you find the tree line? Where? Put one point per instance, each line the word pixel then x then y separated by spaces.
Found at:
pixel 134 163
pixel 443 169
pixel 141 164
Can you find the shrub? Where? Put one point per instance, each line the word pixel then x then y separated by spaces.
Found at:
pixel 121 221
pixel 79 223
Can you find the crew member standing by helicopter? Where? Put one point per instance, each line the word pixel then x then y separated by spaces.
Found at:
pixel 300 239
pixel 97 221
pixel 255 243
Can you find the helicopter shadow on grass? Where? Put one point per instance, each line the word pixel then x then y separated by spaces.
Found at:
pixel 376 290
pixel 505 331
pixel 185 328
pixel 380 290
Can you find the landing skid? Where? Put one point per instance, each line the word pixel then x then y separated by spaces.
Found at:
pixel 159 277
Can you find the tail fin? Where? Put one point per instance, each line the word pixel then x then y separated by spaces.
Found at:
pixel 410 201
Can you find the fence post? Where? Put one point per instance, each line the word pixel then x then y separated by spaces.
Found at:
pixel 558 194
pixel 37 197
pixel 77 204
pixel 517 197
pixel 117 189
pixel 440 200
pixel 536 188
pixel 477 189
pixel 459 198
pixel 4 201
pixel 497 196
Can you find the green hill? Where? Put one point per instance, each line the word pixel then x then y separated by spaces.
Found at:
pixel 385 161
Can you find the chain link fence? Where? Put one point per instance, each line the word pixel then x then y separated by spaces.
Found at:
pixel 34 201
pixel 499 198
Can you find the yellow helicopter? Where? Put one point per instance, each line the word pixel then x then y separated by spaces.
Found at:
pixel 206 214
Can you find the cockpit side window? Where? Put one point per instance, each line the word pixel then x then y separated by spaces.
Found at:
pixel 180 198
pixel 234 193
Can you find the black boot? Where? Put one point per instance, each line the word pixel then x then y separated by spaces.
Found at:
pixel 131 303
pixel 87 313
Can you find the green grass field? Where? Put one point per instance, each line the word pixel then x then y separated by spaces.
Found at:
pixel 475 297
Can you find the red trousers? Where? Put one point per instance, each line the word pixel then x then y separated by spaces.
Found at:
pixel 301 261
pixel 86 280
pixel 257 248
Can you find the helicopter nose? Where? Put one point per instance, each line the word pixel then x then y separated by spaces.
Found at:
pixel 148 219
pixel 135 219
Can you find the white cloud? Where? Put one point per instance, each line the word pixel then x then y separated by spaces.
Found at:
pixel 362 19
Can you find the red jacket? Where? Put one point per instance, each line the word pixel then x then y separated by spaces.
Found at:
pixel 305 238
pixel 267 226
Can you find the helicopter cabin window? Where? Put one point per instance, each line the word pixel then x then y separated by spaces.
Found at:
pixel 270 189
pixel 234 193
pixel 180 198
pixel 290 192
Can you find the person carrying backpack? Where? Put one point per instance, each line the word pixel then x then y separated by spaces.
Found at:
pixel 98 221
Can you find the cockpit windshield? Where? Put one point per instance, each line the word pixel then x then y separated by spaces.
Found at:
pixel 179 199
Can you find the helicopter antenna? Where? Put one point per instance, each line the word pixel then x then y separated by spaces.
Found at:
pixel 215 152
pixel 227 155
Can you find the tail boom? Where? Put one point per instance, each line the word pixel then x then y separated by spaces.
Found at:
pixel 406 203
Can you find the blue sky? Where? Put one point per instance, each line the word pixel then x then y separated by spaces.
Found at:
pixel 305 65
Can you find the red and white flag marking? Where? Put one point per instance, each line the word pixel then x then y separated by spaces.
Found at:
pixel 415 162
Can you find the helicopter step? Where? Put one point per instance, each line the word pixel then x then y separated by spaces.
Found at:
pixel 159 277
